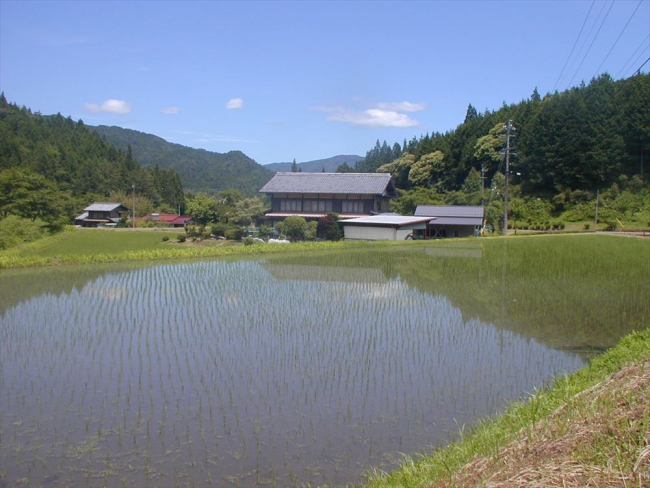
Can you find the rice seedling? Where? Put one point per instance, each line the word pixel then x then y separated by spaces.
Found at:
pixel 306 367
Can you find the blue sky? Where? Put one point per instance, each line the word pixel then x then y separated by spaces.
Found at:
pixel 305 80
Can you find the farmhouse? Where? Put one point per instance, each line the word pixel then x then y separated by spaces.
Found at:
pixel 314 195
pixel 101 213
pixel 171 220
pixel 389 227
pixel 451 220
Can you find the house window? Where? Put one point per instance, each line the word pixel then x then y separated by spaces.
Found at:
pixel 290 205
pixel 352 206
pixel 317 206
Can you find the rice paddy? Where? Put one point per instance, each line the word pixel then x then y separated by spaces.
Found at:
pixel 293 370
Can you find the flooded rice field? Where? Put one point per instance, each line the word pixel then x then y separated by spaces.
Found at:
pixel 292 370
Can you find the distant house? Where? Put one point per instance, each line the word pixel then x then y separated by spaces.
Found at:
pixel 172 220
pixel 451 220
pixel 387 227
pixel 314 195
pixel 101 213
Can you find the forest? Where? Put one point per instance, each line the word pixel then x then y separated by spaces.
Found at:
pixel 568 147
pixel 52 167
pixel 572 152
pixel 200 170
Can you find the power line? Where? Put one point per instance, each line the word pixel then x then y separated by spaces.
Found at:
pixel 619 36
pixel 585 41
pixel 635 61
pixel 574 45
pixel 624 68
pixel 592 43
pixel 639 70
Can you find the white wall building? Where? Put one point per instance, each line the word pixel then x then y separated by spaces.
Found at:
pixel 386 227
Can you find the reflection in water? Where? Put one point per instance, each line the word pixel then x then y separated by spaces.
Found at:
pixel 284 372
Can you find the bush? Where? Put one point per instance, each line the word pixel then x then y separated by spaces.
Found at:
pixel 328 227
pixel 234 233
pixel 16 230
pixel 310 233
pixel 265 232
pixel 294 227
pixel 219 229
pixel 248 241
pixel 165 238
pixel 587 226
pixel 182 238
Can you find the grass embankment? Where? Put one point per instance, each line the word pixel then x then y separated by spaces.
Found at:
pixel 87 246
pixel 591 428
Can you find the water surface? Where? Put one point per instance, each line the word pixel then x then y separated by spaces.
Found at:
pixel 286 371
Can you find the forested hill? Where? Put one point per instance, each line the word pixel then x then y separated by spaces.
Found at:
pixel 328 165
pixel 52 167
pixel 199 169
pixel 587 138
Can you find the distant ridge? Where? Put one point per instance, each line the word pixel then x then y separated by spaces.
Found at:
pixel 317 166
pixel 200 170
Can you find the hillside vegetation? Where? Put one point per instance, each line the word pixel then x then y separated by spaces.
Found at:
pixel 567 147
pixel 200 170
pixel 328 165
pixel 52 167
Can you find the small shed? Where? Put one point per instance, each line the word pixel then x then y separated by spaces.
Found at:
pixel 387 227
pixel 452 220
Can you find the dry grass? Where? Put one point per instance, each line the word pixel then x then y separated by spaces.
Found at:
pixel 599 439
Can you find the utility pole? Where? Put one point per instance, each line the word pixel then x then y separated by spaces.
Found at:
pixel 509 129
pixel 483 178
pixel 133 211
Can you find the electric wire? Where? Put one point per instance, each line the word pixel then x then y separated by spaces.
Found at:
pixel 574 45
pixel 586 39
pixel 625 66
pixel 592 43
pixel 619 36
pixel 639 70
pixel 634 63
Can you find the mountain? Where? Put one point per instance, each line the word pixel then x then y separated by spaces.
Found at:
pixel 329 164
pixel 51 167
pixel 200 170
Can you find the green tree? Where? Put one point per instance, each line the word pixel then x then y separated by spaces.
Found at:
pixel 344 168
pixel 294 227
pixel 472 183
pixel 247 209
pixel 409 200
pixel 471 114
pixel 202 208
pixel 328 227
pixel 399 169
pixel 427 168
pixel 32 196
pixel 294 166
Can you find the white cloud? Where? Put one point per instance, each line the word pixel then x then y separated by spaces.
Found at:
pixel 235 103
pixel 382 115
pixel 111 106
pixel 373 118
pixel 402 106
pixel 171 110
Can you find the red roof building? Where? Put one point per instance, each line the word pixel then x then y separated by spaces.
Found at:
pixel 173 220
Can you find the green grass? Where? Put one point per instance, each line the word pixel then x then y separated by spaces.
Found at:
pixel 491 435
pixel 94 241
pixel 85 246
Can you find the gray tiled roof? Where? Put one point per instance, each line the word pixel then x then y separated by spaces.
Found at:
pixel 466 211
pixel 102 207
pixel 390 219
pixel 359 183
